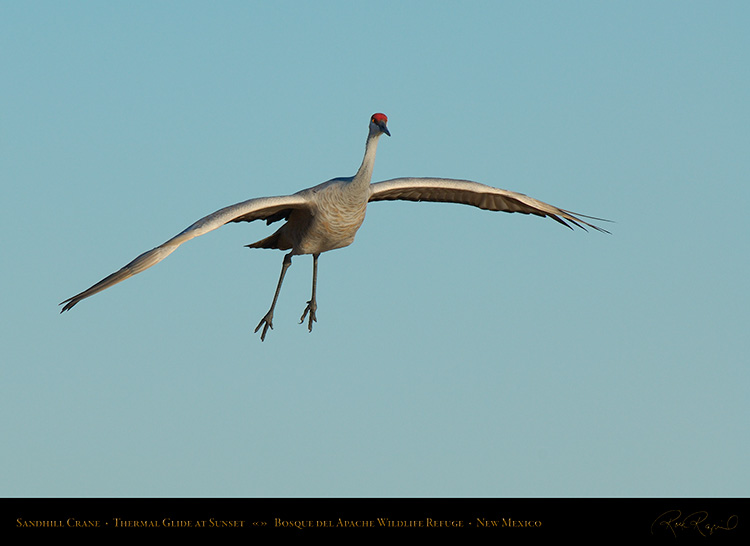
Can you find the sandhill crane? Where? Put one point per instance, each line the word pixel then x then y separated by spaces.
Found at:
pixel 327 216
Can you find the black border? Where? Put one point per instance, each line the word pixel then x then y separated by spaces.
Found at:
pixel 672 519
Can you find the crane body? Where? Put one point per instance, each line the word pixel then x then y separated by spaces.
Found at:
pixel 327 216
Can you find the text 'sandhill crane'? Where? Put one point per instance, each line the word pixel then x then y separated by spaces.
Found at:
pixel 327 216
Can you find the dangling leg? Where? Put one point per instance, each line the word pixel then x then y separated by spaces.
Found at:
pixel 312 304
pixel 268 319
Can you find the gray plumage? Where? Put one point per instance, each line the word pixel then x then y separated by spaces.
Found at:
pixel 327 216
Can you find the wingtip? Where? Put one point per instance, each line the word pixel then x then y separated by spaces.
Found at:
pixel 67 304
pixel 576 218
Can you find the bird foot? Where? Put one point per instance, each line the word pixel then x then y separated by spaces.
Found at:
pixel 266 322
pixel 311 308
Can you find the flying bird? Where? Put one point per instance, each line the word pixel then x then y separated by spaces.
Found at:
pixel 327 216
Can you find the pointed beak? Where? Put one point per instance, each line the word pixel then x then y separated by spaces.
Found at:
pixel 384 128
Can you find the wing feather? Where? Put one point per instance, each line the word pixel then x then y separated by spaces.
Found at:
pixel 447 190
pixel 247 211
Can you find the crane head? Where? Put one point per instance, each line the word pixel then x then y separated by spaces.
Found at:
pixel 378 122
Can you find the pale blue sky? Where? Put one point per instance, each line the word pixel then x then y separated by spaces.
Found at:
pixel 457 352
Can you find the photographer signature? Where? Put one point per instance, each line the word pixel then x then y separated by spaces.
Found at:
pixel 674 521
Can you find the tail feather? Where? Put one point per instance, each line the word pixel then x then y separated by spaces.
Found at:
pixel 272 241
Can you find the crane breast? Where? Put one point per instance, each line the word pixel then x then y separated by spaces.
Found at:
pixel 337 217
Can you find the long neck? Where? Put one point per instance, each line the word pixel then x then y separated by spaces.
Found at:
pixel 364 174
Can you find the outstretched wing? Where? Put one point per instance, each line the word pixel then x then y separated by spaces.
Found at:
pixel 264 208
pixel 446 190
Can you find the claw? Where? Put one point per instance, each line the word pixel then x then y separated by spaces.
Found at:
pixel 266 322
pixel 311 308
